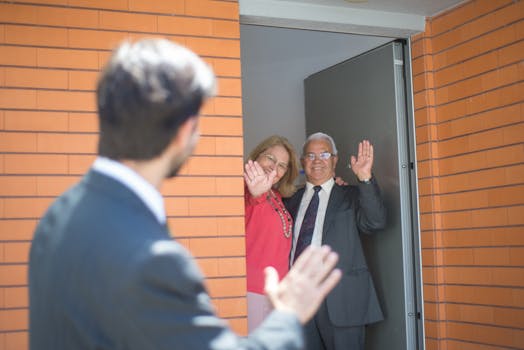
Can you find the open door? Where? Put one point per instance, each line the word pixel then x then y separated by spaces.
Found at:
pixel 366 97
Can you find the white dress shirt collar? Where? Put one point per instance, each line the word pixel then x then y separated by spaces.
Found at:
pixel 326 186
pixel 136 183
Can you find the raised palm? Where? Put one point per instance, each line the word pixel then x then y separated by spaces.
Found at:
pixel 257 180
pixel 363 163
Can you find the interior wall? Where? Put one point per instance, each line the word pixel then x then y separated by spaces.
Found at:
pixel 468 83
pixel 50 54
pixel 275 61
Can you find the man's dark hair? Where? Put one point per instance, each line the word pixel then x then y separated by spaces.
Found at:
pixel 146 91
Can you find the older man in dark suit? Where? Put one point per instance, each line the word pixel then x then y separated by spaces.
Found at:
pixel 325 213
pixel 104 272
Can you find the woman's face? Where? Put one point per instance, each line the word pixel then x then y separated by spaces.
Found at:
pixel 275 157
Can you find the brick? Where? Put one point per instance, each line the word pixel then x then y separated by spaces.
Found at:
pixel 226 67
pixel 17 186
pixel 239 326
pixel 83 122
pixel 185 25
pixel 232 266
pixel 226 287
pixel 483 334
pixel 206 146
pixel 44 2
pixel 13 13
pixel 482 179
pixel 16 297
pixel 516 215
pixel 232 307
pixel 214 165
pixel 35 78
pixel 67 143
pixel 35 164
pixel 17 229
pixel 482 121
pixel 221 126
pixel 492 256
pixel 16 252
pixel 231 87
pixel 193 227
pixel 17 142
pixel 166 7
pixel 214 47
pixel 22 208
pixel 213 247
pixel 35 121
pixel 54 185
pixel 100 4
pixel 128 21
pixel 226 29
pixel 66 100
pixel 79 164
pixel 229 146
pixel 78 80
pixel 66 17
pixel 452 18
pixel 452 110
pixel 229 186
pixel 93 39
pixel 67 58
pixel 231 226
pixel 511 53
pixel 35 36
pixel 13 275
pixel 12 320
pixel 506 196
pixel 189 186
pixel 176 206
pixel 216 206
pixel 482 237
pixel 214 9
pixel 18 99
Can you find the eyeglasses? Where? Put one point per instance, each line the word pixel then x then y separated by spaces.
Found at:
pixel 322 156
pixel 280 165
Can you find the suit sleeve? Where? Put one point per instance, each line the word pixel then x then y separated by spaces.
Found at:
pixel 172 310
pixel 371 212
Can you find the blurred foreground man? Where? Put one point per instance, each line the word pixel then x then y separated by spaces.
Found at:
pixel 104 272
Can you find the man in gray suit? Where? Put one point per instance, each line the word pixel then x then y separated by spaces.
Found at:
pixel 104 272
pixel 340 214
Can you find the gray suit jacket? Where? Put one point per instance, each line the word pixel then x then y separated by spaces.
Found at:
pixel 104 274
pixel 350 210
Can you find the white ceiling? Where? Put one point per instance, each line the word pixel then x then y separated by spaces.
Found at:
pixel 390 18
pixel 426 8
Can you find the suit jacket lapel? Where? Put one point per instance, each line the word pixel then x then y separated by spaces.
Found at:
pixel 335 198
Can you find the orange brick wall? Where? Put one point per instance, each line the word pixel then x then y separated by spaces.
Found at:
pixel 468 74
pixel 50 54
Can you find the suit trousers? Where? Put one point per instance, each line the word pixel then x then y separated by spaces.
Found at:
pixel 321 334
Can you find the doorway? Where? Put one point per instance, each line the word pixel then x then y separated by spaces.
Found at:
pixel 275 62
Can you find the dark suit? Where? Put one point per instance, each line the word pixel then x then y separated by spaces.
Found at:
pixel 104 274
pixel 350 211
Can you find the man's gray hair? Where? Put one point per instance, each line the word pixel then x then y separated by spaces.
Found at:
pixel 320 136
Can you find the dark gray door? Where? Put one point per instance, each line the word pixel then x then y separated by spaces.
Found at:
pixel 366 97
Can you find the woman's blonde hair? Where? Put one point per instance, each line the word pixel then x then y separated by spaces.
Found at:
pixel 286 184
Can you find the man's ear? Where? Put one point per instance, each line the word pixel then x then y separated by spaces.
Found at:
pixel 335 160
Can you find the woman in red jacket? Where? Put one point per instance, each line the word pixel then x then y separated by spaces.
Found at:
pixel 270 174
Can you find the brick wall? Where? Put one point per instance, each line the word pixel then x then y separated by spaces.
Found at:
pixel 468 74
pixel 50 54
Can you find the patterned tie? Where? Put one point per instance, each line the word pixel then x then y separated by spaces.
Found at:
pixel 308 225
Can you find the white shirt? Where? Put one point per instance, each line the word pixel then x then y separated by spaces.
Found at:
pixel 323 198
pixel 136 183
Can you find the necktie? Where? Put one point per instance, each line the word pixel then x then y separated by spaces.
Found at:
pixel 308 225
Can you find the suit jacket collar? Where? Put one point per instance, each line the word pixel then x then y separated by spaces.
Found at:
pixel 116 191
